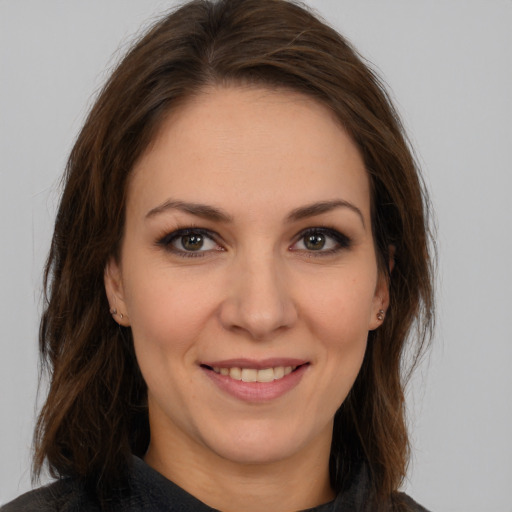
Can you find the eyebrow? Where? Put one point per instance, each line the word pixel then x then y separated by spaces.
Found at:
pixel 197 209
pixel 216 214
pixel 322 207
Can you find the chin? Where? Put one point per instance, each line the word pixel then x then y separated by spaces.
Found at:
pixel 264 452
pixel 259 444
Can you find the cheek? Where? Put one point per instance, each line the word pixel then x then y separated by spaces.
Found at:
pixel 166 315
pixel 345 347
pixel 340 307
pixel 338 313
pixel 166 322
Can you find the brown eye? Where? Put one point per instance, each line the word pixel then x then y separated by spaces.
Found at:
pixel 192 242
pixel 321 241
pixel 314 241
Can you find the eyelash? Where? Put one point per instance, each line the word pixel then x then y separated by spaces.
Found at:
pixel 342 241
pixel 167 240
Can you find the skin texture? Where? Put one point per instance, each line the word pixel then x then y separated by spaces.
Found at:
pixel 254 291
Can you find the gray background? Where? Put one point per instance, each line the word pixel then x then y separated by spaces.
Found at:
pixel 448 65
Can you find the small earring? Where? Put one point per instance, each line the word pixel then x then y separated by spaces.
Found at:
pixel 380 315
pixel 113 312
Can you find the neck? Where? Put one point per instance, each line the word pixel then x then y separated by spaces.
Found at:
pixel 295 483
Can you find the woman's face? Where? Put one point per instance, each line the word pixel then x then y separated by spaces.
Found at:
pixel 248 275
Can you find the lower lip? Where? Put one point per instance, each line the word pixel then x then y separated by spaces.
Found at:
pixel 257 391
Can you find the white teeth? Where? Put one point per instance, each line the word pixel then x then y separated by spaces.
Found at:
pixel 235 373
pixel 279 372
pixel 254 375
pixel 266 375
pixel 249 375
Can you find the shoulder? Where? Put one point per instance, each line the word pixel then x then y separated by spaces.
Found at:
pixel 61 496
pixel 144 490
pixel 403 502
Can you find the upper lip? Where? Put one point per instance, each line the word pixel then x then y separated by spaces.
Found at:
pixel 256 364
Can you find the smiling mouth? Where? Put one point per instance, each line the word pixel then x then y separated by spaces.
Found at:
pixel 252 374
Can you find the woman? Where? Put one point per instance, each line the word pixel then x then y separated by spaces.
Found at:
pixel 240 253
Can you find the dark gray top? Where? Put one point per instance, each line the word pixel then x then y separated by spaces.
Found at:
pixel 152 492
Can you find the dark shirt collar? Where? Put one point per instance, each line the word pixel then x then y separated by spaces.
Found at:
pixel 151 491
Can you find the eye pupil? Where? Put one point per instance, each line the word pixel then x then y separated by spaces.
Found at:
pixel 192 242
pixel 314 242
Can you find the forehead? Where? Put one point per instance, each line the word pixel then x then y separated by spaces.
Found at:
pixel 250 148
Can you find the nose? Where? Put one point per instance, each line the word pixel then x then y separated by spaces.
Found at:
pixel 258 300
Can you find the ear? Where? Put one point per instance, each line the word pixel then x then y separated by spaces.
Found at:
pixel 112 277
pixel 381 298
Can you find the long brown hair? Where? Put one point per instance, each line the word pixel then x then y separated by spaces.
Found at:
pixel 95 415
